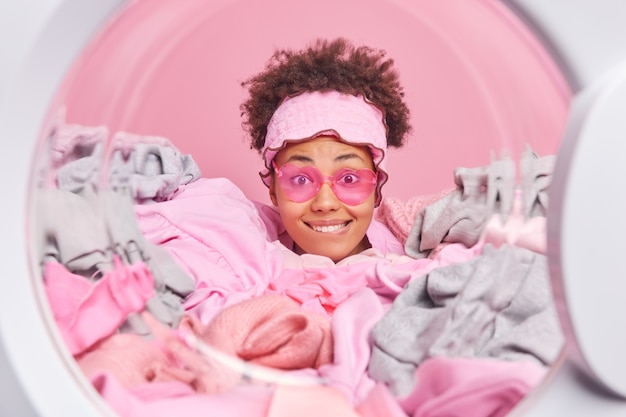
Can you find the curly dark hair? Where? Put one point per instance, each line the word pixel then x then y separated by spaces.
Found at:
pixel 326 65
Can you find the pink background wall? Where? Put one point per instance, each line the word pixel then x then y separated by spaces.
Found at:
pixel 476 79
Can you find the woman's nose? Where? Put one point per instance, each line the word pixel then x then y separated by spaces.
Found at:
pixel 325 200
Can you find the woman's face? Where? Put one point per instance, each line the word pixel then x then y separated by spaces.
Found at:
pixel 323 224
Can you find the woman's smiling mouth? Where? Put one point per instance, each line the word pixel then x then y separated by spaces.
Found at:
pixel 329 228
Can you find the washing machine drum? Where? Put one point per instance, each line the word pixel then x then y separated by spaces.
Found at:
pixel 161 81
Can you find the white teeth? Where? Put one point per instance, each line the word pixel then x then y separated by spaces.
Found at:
pixel 329 229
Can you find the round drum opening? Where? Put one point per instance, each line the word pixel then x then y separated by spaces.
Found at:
pixel 161 84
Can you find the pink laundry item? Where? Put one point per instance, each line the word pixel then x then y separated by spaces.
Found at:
pixel 352 323
pixel 517 229
pixel 399 215
pixel 380 402
pixel 210 375
pixel 470 387
pixel 167 399
pixel 209 247
pixel 272 330
pixel 320 289
pixel 86 312
pixel 383 239
pixel 134 360
pixel 319 285
pixel 309 402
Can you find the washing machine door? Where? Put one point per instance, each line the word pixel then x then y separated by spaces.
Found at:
pixel 40 40
pixel 585 226
pixel 586 213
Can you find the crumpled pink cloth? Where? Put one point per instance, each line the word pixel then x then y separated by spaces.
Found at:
pixel 321 286
pixel 517 229
pixel 166 399
pixel 470 387
pixel 86 312
pixel 309 402
pixel 134 361
pixel 399 215
pixel 272 330
pixel 269 330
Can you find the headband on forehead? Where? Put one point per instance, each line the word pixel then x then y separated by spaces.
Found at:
pixel 306 116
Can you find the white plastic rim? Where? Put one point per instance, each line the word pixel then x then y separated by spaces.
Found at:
pixel 38 378
pixel 586 36
pixel 586 230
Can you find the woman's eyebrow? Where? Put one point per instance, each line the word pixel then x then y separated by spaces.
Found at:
pixel 339 158
pixel 299 158
pixel 347 156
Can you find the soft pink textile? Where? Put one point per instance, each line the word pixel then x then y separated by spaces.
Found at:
pixel 216 236
pixel 399 215
pixel 86 312
pixel 446 387
pixel 167 399
pixel 380 403
pixel 470 387
pixel 269 330
pixel 133 361
pixel 515 229
pixel 274 331
pixel 529 233
pixel 320 285
pixel 383 239
pixel 309 402
pixel 177 375
pixel 352 322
